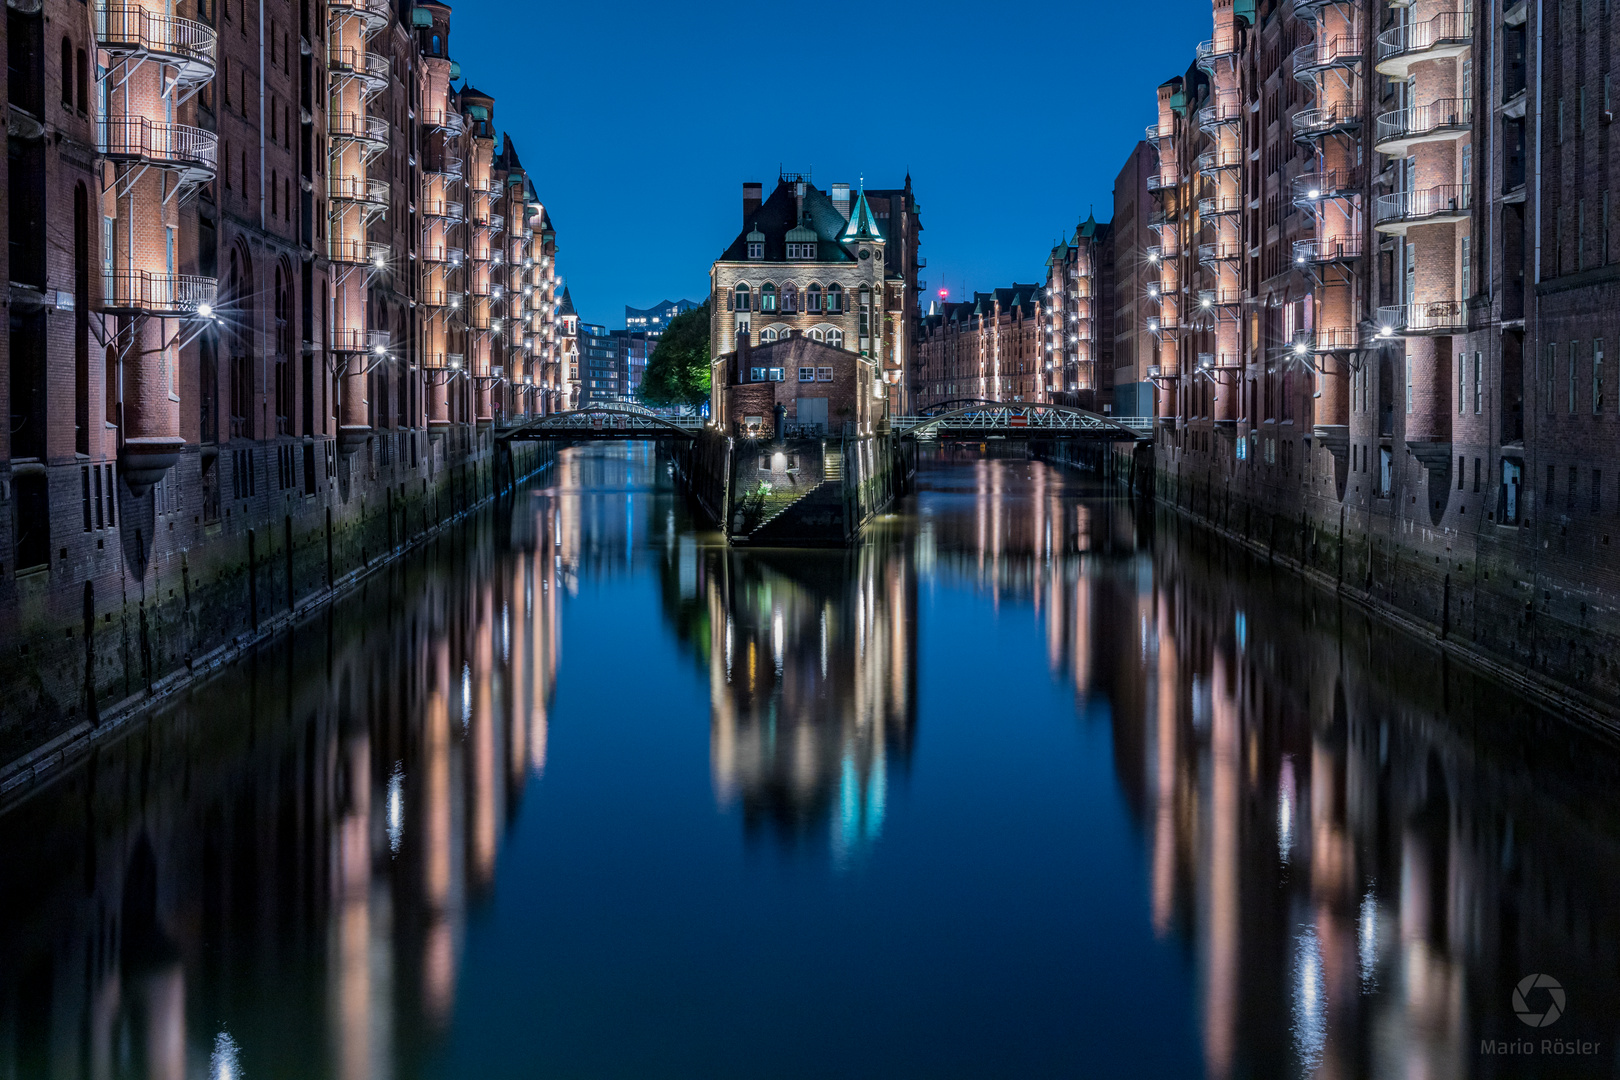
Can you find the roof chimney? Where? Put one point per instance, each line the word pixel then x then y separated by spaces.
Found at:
pixel 840 198
pixel 753 196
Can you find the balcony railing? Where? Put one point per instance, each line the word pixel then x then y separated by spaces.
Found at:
pixel 448 167
pixel 1218 205
pixel 449 209
pixel 1336 339
pixel 1157 182
pixel 1448 118
pixel 126 29
pixel 1446 202
pixel 1434 317
pixel 1312 187
pixel 448 119
pixel 1325 54
pixel 1213 161
pixel 355 251
pixel 358 189
pixel 1153 136
pixel 1225 108
pixel 1447 34
pixel 359 127
pixel 1330 118
pixel 176 146
pixel 1219 251
pixel 1334 249
pixel 372 68
pixel 1307 9
pixel 1209 54
pixel 374 12
pixel 442 253
pixel 158 294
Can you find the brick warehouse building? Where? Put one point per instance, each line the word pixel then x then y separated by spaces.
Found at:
pixel 823 389
pixel 1080 317
pixel 840 267
pixel 272 282
pixel 1382 297
pixel 990 348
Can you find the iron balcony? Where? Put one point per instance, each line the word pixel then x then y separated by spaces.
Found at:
pixel 1445 35
pixel 1399 210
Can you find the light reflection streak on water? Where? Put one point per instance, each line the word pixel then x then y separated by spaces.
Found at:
pixel 1285 810
pixel 1309 999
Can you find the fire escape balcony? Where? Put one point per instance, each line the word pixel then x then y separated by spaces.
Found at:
pixel 1439 121
pixel 1317 251
pixel 371 132
pixel 191 151
pixel 351 62
pixel 436 297
pixel 1156 183
pixel 1219 205
pixel 448 209
pixel 441 253
pixel 1307 9
pixel 446 167
pixel 1159 323
pixel 1399 210
pixel 137 292
pixel 1311 188
pixel 447 120
pixel 359 339
pixel 1330 119
pixel 1212 162
pixel 1432 317
pixel 126 30
pixel 1332 339
pixel 1212 53
pixel 1327 54
pixel 358 251
pixel 1225 108
pixel 1219 251
pixel 1445 35
pixel 373 12
pixel 371 195
pixel 1153 136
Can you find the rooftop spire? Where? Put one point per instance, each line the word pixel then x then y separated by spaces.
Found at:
pixel 862 222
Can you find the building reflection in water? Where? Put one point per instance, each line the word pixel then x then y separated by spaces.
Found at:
pixel 1360 848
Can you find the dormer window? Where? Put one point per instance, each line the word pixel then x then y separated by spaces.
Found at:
pixel 756 249
pixel 801 251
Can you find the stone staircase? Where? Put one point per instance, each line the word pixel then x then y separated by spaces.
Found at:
pixel 833 464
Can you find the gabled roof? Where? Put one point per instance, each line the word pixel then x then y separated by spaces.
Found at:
pixel 508 157
pixel 779 215
pixel 565 306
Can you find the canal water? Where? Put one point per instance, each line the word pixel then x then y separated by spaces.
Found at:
pixel 1030 785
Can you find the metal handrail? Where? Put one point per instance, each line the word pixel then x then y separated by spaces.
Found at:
pixel 1225 107
pixel 1456 26
pixel 357 189
pixel 1341 50
pixel 1435 315
pixel 1216 205
pixel 1309 123
pixel 449 119
pixel 359 61
pixel 138 137
pixel 1219 158
pixel 1324 184
pixel 1335 249
pixel 357 126
pixel 141 290
pixel 1426 119
pixel 1430 202
pixel 121 27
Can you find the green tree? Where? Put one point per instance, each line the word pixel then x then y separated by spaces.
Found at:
pixel 678 370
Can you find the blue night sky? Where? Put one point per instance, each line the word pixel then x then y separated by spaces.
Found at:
pixel 639 122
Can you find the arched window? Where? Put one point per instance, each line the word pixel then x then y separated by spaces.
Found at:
pixel 767 334
pixel 813 299
pixel 790 298
pixel 437 45
pixel 767 297
pixel 835 299
pixel 835 338
pixel 67 73
pixel 816 334
pixel 83 83
pixel 743 297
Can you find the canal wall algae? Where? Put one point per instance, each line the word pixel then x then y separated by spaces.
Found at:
pixel 188 594
pixel 1526 602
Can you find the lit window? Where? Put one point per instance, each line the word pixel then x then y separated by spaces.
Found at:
pixel 767 297
pixel 776 375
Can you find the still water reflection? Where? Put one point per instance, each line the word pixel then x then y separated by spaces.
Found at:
pixel 1020 788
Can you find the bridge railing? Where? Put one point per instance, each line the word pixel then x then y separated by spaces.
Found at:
pixel 1017 420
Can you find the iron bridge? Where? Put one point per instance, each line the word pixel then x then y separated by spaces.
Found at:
pixel 606 422
pixel 1000 420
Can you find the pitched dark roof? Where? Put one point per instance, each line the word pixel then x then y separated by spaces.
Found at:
pixel 565 306
pixel 508 157
pixel 790 351
pixel 779 214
